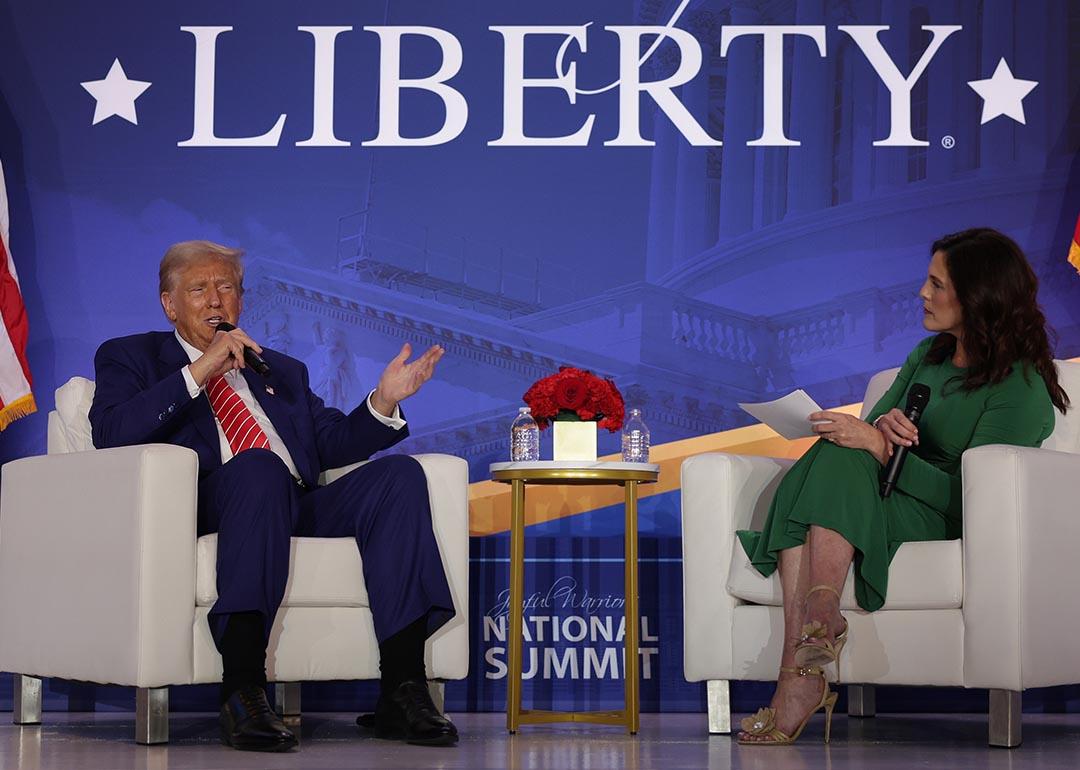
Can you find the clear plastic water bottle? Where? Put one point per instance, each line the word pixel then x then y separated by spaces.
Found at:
pixel 524 438
pixel 635 439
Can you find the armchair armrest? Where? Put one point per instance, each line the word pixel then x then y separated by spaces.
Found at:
pixel 720 494
pixel 1021 540
pixel 97 565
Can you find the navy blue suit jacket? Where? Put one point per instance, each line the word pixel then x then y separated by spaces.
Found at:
pixel 141 398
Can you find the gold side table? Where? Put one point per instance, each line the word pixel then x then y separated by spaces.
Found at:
pixel 626 475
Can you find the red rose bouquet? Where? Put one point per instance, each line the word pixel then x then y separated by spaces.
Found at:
pixel 576 395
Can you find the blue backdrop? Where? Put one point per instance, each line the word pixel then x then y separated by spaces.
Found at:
pixel 696 274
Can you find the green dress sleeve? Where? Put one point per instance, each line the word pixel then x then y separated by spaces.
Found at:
pixel 1017 412
pixel 900 385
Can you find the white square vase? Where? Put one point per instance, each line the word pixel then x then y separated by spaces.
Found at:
pixel 574 440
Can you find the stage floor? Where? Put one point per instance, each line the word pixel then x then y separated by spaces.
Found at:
pixel 669 741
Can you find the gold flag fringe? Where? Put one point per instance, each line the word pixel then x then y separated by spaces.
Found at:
pixel 20 407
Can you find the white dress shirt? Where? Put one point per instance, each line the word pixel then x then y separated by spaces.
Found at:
pixel 237 382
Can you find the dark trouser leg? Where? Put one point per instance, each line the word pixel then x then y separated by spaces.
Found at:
pixel 401 657
pixel 243 653
pixel 251 502
pixel 384 505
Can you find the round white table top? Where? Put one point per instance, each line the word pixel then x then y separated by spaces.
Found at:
pixel 573 465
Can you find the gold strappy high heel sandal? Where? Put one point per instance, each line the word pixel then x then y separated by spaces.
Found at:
pixel 762 725
pixel 814 647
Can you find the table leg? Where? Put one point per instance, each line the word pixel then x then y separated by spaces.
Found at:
pixel 633 616
pixel 517 591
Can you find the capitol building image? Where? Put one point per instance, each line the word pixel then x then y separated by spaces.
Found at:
pixel 832 237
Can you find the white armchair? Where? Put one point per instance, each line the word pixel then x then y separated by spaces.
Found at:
pixel 988 611
pixel 102 578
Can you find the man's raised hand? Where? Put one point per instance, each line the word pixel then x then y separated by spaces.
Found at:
pixel 400 379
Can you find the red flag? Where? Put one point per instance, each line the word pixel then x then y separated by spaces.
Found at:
pixel 1074 247
pixel 16 398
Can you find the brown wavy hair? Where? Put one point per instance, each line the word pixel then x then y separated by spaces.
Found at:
pixel 1001 320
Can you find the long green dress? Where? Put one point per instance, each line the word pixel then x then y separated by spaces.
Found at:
pixel 837 488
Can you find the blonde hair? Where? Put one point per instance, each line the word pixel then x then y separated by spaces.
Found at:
pixel 183 254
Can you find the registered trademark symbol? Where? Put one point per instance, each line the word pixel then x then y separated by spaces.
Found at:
pixel 948 142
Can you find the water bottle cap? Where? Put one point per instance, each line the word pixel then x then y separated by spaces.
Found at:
pixel 524 410
pixel 635 412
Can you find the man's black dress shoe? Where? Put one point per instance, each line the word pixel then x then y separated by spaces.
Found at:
pixel 408 714
pixel 249 724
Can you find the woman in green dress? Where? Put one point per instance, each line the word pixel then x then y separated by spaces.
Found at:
pixel 992 380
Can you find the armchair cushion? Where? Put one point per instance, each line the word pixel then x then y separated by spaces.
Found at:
pixel 922 576
pixel 323 572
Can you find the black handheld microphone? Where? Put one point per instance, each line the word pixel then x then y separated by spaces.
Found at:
pixel 918 398
pixel 253 359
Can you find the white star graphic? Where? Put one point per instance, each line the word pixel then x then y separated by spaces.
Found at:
pixel 115 95
pixel 1003 94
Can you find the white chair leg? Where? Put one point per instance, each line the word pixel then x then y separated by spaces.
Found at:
pixel 151 715
pixel 718 695
pixel 438 693
pixel 1005 715
pixel 861 700
pixel 27 700
pixel 287 699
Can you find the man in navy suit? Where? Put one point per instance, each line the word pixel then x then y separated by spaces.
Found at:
pixel 262 443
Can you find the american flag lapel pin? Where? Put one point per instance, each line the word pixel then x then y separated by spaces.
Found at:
pixel 269 390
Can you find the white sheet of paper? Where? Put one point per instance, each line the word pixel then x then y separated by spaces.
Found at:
pixel 787 415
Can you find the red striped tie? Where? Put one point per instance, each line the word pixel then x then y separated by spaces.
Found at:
pixel 241 429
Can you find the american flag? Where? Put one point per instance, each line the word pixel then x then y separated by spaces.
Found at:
pixel 1074 247
pixel 16 397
